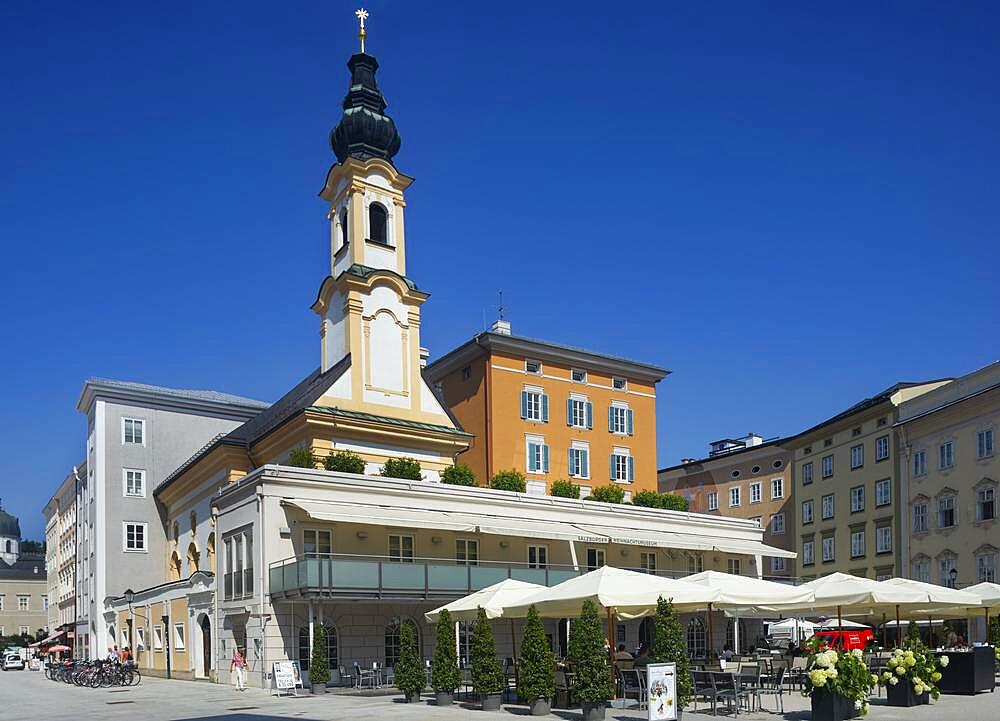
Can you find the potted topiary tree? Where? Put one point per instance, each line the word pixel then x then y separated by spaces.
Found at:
pixel 405 468
pixel 409 671
pixel 345 462
pixel 669 646
pixel 319 667
pixel 445 676
pixel 536 667
pixel 593 684
pixel 487 675
pixel 458 475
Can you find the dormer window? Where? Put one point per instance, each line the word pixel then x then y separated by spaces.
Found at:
pixel 343 228
pixel 378 223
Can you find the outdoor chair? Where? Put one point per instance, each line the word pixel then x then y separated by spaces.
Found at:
pixel 774 688
pixel 389 677
pixel 510 685
pixel 749 682
pixel 630 681
pixel 346 679
pixel 563 691
pixel 724 688
pixel 363 676
pixel 702 687
pixel 466 682
pixel 797 671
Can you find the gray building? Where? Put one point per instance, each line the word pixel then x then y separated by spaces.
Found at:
pixel 137 434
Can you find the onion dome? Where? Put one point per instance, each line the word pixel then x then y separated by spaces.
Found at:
pixel 364 131
pixel 9 526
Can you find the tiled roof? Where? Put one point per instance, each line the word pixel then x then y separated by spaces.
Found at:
pixel 24 569
pixel 183 393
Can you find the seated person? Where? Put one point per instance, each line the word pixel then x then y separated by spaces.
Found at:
pixel 642 659
pixel 727 653
pixel 621 654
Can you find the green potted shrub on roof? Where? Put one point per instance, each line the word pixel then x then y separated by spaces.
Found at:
pixel 536 667
pixel 487 675
pixel 509 481
pixel 458 475
pixel 669 646
pixel 345 462
pixel 408 671
pixel 445 676
pixel 319 666
pixel 592 685
pixel 405 468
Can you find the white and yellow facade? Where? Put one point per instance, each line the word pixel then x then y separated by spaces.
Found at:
pixel 60 552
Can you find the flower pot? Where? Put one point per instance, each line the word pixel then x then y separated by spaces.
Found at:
pixel 593 711
pixel 902 694
pixel 444 698
pixel 540 706
pixel 491 701
pixel 318 688
pixel 413 697
pixel 829 706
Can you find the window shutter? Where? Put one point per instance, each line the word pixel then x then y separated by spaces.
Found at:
pixel 545 458
pixel 569 412
pixel 631 468
pixel 570 464
pixel 628 420
pixel 545 408
pixel 524 404
pixel 531 457
pixel 612 466
pixel 590 415
pixel 611 419
pixel 584 463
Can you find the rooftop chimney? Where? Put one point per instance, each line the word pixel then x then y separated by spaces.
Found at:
pixel 752 439
pixel 501 326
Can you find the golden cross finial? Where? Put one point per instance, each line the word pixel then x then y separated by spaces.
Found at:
pixel 362 15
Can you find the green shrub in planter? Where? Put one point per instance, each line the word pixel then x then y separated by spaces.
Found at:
pixel 611 493
pixel 445 676
pixel 652 499
pixel 509 481
pixel 409 671
pixel 405 468
pixel 345 462
pixel 670 646
pixel 536 667
pixel 487 674
pixel 586 648
pixel 459 475
pixel 319 666
pixel 564 489
pixel 302 458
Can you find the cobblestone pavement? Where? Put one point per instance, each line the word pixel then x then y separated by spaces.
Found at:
pixel 26 696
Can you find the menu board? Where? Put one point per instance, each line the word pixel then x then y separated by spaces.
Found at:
pixel 661 686
pixel 285 675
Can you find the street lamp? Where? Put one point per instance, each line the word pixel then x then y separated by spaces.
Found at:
pixel 129 597
pixel 953 577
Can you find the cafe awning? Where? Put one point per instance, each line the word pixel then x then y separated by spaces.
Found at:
pixel 684 541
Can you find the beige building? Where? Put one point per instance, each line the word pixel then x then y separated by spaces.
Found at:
pixel 23 586
pixel 949 476
pixel 742 478
pixel 847 491
pixel 60 553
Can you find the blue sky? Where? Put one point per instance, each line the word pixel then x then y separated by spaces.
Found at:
pixel 790 205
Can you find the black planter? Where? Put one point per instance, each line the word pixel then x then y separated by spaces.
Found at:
pixel 540 706
pixel 491 701
pixel 593 711
pixel 902 694
pixel 412 697
pixel 318 688
pixel 828 706
pixel 444 698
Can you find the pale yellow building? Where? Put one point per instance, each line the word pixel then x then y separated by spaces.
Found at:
pixel 23 584
pixel 60 558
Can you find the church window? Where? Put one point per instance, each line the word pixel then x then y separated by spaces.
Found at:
pixel 377 223
pixel 343 227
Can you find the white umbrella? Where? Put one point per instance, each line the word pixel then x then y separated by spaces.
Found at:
pixel 492 599
pixel 987 596
pixel 842 590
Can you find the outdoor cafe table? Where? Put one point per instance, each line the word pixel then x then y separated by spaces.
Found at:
pixel 969 671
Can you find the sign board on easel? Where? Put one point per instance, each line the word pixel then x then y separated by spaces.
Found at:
pixel 661 688
pixel 287 676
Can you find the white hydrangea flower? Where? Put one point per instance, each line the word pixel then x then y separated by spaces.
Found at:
pixel 944 661
pixel 893 681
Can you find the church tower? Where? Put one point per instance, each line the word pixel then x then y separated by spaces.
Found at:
pixel 369 308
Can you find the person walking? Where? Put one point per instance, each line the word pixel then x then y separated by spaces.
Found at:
pixel 238 666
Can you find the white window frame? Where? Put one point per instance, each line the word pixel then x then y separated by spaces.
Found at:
pixel 777 488
pixel 857 544
pixel 538 371
pixel 180 636
pixel 619 383
pixel 946 455
pixel 137 473
pixel 647 562
pixel 24 602
pixel 883 539
pixel 317 533
pixel 829 543
pixel 945 566
pixel 402 557
pixel 881 448
pixel 807 473
pixel 734 566
pixel 922 570
pixel 713 500
pixel 600 558
pixel 621 458
pixel 883 492
pixel 158 637
pixel 951 506
pixel 984 444
pixel 537 465
pixel 142 431
pixel 140 638
pixel 541 552
pixel 809 517
pixel 827 461
pixel 145 536
pixel 920 517
pixel 469 548
pixel 534 409
pixel 986 567
pixel 833 507
pixel 581 453
pixel 619 418
pixel 696 563
pixel 755 492
pixel 777 524
pixel 583 378
pixel 778 565
pixel 857 499
pixel 734 497
pixel 857 456
pixel 986 494
pixel 808 553
pixel 578 415
pixel 920 463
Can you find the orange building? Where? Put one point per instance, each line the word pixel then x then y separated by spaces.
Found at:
pixel 551 412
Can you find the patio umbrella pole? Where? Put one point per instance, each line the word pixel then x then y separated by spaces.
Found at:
pixel 611 655
pixel 840 623
pixel 513 646
pixel 885 631
pixel 986 638
pixel 898 631
pixel 709 645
